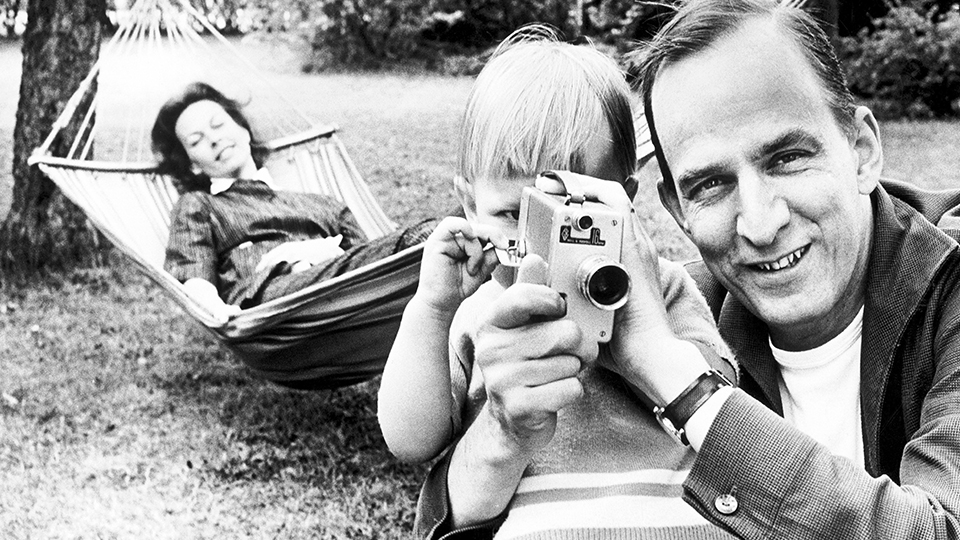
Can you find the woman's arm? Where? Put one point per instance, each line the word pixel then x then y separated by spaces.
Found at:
pixel 206 294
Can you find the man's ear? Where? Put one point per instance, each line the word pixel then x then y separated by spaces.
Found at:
pixel 670 201
pixel 464 192
pixel 868 149
pixel 631 185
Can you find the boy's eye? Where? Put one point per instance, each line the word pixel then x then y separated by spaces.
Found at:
pixel 511 214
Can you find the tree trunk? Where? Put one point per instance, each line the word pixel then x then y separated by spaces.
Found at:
pixel 60 45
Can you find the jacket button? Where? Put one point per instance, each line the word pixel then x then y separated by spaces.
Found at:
pixel 726 504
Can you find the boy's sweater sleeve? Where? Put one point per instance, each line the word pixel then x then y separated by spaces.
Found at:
pixel 690 317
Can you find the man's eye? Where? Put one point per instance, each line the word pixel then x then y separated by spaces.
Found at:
pixel 706 188
pixel 788 158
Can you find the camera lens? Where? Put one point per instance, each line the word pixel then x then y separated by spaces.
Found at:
pixel 583 222
pixel 604 282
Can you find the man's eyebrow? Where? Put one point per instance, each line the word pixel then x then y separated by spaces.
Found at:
pixel 789 139
pixel 693 175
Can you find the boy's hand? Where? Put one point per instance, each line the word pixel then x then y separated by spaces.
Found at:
pixel 455 263
pixel 530 357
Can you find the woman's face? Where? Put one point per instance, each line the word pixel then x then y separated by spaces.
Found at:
pixel 216 145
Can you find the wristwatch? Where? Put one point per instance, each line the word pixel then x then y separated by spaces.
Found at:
pixel 673 417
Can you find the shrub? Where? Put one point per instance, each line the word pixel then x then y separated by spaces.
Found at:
pixel 909 65
pixel 424 33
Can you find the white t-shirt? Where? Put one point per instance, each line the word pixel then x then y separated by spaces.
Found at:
pixel 820 391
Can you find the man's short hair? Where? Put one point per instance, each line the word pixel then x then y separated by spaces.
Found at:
pixel 698 24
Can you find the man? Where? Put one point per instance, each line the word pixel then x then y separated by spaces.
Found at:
pixel 843 306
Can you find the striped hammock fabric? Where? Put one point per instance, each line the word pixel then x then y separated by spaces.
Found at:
pixel 331 334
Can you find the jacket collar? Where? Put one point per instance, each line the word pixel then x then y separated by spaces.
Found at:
pixel 219 185
pixel 907 252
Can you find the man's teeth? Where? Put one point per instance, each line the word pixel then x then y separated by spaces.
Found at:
pixel 785 262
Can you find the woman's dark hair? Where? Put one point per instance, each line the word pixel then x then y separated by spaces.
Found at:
pixel 173 156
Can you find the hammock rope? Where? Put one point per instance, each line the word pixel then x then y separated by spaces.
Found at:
pixel 330 334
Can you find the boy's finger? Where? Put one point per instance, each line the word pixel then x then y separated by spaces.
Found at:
pixel 524 303
pixel 609 193
pixel 534 270
pixel 552 396
pixel 541 371
pixel 491 234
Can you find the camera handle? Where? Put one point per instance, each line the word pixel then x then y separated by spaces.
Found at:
pixel 571 184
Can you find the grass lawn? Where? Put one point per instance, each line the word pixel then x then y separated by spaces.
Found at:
pixel 121 418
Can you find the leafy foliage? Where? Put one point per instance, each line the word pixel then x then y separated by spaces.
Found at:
pixel 909 65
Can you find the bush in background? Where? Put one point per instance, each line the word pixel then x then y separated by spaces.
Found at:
pixel 454 36
pixel 909 65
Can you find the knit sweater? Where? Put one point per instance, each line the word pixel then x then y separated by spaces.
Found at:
pixel 610 471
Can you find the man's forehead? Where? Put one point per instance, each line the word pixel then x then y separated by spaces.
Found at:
pixel 756 76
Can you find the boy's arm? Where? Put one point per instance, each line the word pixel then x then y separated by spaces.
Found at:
pixel 413 405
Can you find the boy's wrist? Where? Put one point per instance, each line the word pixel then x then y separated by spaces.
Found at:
pixel 430 309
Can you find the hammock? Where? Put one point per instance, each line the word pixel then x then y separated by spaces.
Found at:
pixel 331 334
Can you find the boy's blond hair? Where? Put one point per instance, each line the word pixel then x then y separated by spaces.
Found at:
pixel 536 104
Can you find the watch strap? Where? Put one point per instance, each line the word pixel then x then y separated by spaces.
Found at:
pixel 674 416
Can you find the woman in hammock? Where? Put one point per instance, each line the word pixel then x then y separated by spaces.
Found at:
pixel 235 241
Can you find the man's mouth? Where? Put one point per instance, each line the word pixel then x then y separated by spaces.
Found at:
pixel 788 261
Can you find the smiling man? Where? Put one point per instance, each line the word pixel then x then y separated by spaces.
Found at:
pixel 837 293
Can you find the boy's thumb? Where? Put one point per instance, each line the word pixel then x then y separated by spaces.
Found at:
pixel 533 269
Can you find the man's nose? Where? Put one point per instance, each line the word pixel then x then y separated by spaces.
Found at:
pixel 762 213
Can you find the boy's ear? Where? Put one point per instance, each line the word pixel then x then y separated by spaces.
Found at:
pixel 464 191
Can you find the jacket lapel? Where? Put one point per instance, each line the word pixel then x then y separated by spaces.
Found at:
pixel 907 253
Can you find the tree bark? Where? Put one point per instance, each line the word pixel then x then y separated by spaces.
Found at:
pixel 43 230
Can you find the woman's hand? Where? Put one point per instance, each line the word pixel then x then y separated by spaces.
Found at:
pixel 205 293
pixel 302 254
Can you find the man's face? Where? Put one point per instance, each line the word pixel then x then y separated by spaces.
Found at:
pixel 770 190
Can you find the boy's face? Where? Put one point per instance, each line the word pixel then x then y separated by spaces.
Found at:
pixel 497 200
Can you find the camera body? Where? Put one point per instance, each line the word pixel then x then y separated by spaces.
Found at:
pixel 581 242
